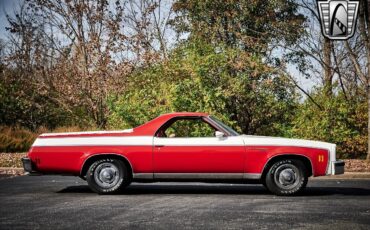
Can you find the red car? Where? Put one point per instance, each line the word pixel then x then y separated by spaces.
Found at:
pixel 182 147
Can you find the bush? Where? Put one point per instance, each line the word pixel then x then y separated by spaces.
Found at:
pixel 16 139
pixel 341 120
pixel 234 86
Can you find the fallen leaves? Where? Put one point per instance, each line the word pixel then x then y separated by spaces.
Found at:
pixel 11 160
pixel 354 165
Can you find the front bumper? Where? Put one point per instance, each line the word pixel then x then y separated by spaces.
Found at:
pixel 338 167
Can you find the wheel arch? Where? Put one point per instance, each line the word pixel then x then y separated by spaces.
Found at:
pixel 306 161
pixel 89 160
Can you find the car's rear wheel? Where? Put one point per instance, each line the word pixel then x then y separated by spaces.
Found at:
pixel 286 177
pixel 106 176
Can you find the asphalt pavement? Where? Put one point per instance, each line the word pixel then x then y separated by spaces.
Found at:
pixel 58 202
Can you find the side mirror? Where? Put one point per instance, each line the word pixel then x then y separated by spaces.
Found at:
pixel 219 134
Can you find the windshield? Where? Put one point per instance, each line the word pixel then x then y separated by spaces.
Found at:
pixel 227 128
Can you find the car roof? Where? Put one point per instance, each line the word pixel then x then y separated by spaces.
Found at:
pixel 182 114
pixel 152 126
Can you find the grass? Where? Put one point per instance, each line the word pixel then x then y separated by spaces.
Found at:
pixel 16 139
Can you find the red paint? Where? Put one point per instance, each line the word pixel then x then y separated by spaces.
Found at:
pixel 170 159
pixel 199 159
pixel 258 156
pixel 71 159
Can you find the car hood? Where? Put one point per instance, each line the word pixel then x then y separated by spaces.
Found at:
pixel 280 141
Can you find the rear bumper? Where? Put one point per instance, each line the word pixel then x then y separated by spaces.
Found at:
pixel 338 167
pixel 28 166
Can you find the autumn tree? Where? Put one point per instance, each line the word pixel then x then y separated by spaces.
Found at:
pixel 360 62
pixel 81 51
pixel 334 109
pixel 25 52
pixel 146 22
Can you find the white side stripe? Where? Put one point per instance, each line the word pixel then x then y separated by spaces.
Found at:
pixel 279 141
pixel 95 141
pixel 87 132
pixel 199 141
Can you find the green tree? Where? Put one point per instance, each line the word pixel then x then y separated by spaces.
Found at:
pixel 347 128
pixel 229 83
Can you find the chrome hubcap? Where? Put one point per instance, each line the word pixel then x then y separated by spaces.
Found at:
pixel 287 176
pixel 106 175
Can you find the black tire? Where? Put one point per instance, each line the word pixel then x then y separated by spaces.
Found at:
pixel 263 182
pixel 286 177
pixel 107 176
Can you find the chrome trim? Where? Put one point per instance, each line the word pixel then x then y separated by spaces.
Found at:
pixel 287 176
pixel 252 176
pixel 147 176
pixel 332 155
pixel 338 167
pixel 214 124
pixel 207 175
pixel 107 175
pixel 198 175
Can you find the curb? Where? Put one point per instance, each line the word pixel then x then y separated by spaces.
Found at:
pixel 9 170
pixel 346 175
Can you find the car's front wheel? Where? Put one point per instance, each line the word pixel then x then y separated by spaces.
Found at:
pixel 107 176
pixel 286 177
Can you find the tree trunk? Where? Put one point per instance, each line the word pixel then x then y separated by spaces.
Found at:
pixel 328 87
pixel 364 28
pixel 328 76
pixel 368 122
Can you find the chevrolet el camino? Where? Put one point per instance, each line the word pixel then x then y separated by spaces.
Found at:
pixel 182 147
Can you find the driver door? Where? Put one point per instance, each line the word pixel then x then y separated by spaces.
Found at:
pixel 188 147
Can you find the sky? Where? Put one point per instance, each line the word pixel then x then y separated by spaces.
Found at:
pixel 6 7
pixel 9 6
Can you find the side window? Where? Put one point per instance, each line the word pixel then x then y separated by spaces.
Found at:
pixel 190 128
